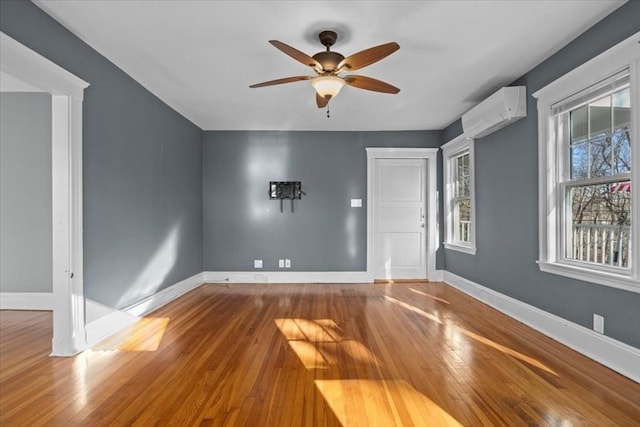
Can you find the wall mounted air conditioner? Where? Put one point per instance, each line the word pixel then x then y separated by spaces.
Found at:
pixel 504 107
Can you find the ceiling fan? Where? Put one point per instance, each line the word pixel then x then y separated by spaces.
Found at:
pixel 329 64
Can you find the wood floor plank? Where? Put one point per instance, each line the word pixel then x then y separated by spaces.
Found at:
pixel 406 354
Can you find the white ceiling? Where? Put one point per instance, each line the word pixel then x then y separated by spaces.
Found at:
pixel 200 56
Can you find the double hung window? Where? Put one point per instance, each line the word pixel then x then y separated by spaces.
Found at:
pixel 588 173
pixel 459 203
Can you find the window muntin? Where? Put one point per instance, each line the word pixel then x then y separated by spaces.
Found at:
pixel 596 191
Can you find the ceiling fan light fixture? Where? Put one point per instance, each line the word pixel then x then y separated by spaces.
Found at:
pixel 327 86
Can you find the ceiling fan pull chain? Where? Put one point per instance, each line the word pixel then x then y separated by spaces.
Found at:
pixel 328 116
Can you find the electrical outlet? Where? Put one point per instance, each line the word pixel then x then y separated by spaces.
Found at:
pixel 280 263
pixel 287 263
pixel 598 323
pixel 257 263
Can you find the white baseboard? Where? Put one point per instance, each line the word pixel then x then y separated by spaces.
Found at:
pixel 437 276
pixel 165 296
pixel 26 300
pixel 107 322
pixel 258 276
pixel 116 320
pixel 614 354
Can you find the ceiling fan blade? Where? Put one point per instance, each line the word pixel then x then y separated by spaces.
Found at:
pixel 281 81
pixel 321 101
pixel 296 54
pixel 367 83
pixel 368 56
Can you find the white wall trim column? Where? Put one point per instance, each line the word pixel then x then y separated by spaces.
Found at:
pixel 67 92
pixel 431 156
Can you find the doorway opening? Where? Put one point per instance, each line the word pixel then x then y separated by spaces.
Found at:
pixel 67 92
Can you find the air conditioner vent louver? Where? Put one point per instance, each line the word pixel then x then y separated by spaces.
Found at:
pixel 497 111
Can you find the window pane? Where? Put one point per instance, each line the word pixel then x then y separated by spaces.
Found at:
pixel 600 223
pixel 621 109
pixel 600 153
pixel 579 128
pixel 600 116
pixel 579 161
pixel 621 151
pixel 462 176
pixel 462 220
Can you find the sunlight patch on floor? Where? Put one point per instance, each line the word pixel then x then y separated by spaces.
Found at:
pixel 319 343
pixel 414 309
pixel 479 338
pixel 508 351
pixel 429 296
pixel 381 403
pixel 144 335
pixel 309 355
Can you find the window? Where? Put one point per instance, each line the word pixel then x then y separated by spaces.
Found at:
pixel 589 165
pixel 459 193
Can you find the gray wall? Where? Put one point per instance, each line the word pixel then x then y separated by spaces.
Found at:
pixel 142 170
pixel 25 192
pixel 324 234
pixel 507 204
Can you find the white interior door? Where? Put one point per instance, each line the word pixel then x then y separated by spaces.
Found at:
pixel 400 219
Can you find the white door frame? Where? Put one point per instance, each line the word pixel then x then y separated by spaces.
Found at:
pixel 67 92
pixel 431 156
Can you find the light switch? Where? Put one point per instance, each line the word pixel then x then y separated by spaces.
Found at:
pixel 356 203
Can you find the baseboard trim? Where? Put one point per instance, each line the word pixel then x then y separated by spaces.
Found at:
pixel 437 276
pixel 165 296
pixel 26 300
pixel 117 320
pixel 286 276
pixel 614 354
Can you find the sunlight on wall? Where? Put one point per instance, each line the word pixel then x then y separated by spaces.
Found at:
pixel 350 231
pixel 264 164
pixel 153 274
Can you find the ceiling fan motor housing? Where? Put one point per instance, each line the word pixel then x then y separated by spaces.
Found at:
pixel 328 60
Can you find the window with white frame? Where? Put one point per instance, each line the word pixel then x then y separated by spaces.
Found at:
pixel 459 195
pixel 589 165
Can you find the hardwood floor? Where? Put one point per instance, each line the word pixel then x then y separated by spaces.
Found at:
pixel 412 354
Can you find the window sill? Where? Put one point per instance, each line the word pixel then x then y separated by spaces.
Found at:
pixel 603 278
pixel 471 250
